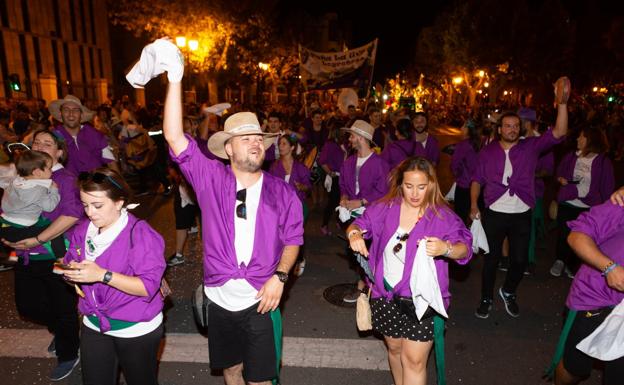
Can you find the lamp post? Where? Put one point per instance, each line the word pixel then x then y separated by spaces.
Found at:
pixel 264 68
pixel 187 47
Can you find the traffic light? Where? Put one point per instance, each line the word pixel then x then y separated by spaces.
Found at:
pixel 14 82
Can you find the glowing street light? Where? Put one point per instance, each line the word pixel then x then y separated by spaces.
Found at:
pixel 193 45
pixel 486 84
pixel 263 66
pixel 458 80
pixel 481 73
pixel 385 97
pixel 181 41
pixel 505 93
pixel 595 89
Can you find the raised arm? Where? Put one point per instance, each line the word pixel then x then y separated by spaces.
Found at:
pixel 172 120
pixel 562 94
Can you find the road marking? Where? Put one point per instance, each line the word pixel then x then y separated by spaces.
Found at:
pixel 184 347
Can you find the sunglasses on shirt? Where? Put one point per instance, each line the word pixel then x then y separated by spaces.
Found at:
pixel 399 245
pixel 98 177
pixel 241 209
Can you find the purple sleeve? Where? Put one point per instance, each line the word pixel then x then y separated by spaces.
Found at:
pixel 479 172
pixel 546 141
pixel 456 232
pixel 341 181
pixel 456 160
pixel 198 170
pixel 607 183
pixel 148 262
pixel 291 220
pixel 72 254
pixel 600 222
pixel 370 216
pixel 323 157
pixel 305 175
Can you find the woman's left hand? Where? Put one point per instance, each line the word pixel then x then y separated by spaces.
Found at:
pixel 85 272
pixel 24 244
pixel 435 246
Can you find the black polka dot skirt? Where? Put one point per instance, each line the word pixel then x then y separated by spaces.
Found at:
pixel 389 321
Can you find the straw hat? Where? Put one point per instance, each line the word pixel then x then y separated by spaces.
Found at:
pixel 56 105
pixel 239 124
pixel 363 129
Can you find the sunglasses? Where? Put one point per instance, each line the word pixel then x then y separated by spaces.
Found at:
pixel 399 245
pixel 241 209
pixel 98 177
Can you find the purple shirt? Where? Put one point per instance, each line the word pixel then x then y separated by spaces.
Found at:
pixel 373 178
pixel 203 147
pixel 464 163
pixel 605 225
pixel 602 180
pixel 396 152
pixel 145 259
pixel 332 155
pixel 84 153
pixel 381 220
pixel 429 151
pixel 545 164
pixel 523 157
pixel 279 220
pixel 299 174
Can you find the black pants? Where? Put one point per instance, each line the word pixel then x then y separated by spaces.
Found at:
pixel 565 213
pixel 15 234
pixel 462 203
pixel 102 355
pixel 44 297
pixel 333 200
pixel 517 228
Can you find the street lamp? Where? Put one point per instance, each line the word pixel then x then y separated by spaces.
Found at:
pixel 481 73
pixel 458 80
pixel 181 41
pixel 193 45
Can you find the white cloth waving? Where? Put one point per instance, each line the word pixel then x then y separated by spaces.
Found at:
pixel 479 239
pixel 160 56
pixel 606 343
pixel 424 283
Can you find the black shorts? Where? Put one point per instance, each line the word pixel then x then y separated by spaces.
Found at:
pixel 389 320
pixel 242 336
pixel 580 364
pixel 185 216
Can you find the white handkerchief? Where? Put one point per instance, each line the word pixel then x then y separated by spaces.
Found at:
pixel 424 283
pixel 606 343
pixel 450 196
pixel 156 58
pixel 479 239
pixel 328 182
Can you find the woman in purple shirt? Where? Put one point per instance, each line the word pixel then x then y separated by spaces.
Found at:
pixel 586 179
pixel 463 165
pixel 414 209
pixel 403 147
pixel 116 263
pixel 331 159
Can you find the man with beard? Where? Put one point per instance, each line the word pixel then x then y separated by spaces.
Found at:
pixel 252 227
pixel 426 145
pixel 506 170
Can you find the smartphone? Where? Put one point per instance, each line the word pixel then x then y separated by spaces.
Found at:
pixel 64 266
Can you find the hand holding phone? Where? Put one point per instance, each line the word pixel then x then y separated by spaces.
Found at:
pixel 64 266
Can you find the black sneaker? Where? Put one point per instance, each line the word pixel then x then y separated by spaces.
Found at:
pixel 503 264
pixel 175 260
pixel 510 303
pixel 52 346
pixel 483 311
pixel 63 369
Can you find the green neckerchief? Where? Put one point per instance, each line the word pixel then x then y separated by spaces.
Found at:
pixel 276 318
pixel 563 337
pixel 114 323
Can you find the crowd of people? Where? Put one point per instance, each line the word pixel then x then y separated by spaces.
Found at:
pixel 252 178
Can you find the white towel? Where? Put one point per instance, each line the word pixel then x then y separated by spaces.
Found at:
pixel 479 239
pixel 217 109
pixel 156 58
pixel 606 343
pixel 424 283
pixel 450 196
pixel 344 214
pixel 328 181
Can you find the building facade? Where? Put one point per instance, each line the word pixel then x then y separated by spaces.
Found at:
pixel 50 48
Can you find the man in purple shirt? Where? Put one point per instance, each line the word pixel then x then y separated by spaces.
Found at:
pixel 426 144
pixel 252 230
pixel 506 170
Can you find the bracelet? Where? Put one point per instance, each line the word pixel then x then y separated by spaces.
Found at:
pixel 610 267
pixel 38 240
pixel 449 249
pixel 362 202
pixel 353 232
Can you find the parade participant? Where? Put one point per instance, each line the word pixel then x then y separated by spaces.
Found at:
pixel 274 126
pixel 252 228
pixel 597 237
pixel 117 262
pixel 506 171
pixel 298 176
pixel 383 133
pixel 586 179
pixel 87 147
pixel 331 159
pixel 427 145
pixel 185 212
pixel 363 179
pixel 402 148
pixel 40 294
pixel 463 165
pixel 413 209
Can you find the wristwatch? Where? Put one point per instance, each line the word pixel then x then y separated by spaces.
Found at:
pixel 283 277
pixel 107 277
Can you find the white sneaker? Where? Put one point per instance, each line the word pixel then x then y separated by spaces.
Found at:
pixel 569 273
pixel 557 268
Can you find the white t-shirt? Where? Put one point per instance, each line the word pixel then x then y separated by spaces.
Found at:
pixel 507 203
pixel 358 165
pixel 287 178
pixel 238 294
pixel 582 173
pixel 394 263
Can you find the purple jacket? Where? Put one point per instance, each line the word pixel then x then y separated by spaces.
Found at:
pixel 463 163
pixel 299 174
pixel 279 220
pixel 523 156
pixel 145 259
pixel 602 180
pixel 382 220
pixel 396 152
pixel 373 178
pixel 431 150
pixel 203 147
pixel 85 155
pixel 604 224
pixel 546 163
pixel 332 155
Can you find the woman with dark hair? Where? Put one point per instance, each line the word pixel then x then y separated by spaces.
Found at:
pixel 413 210
pixel 586 179
pixel 40 294
pixel 402 148
pixel 331 159
pixel 116 262
pixel 463 165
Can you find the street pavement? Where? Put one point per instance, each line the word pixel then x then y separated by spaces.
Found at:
pixel 322 345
